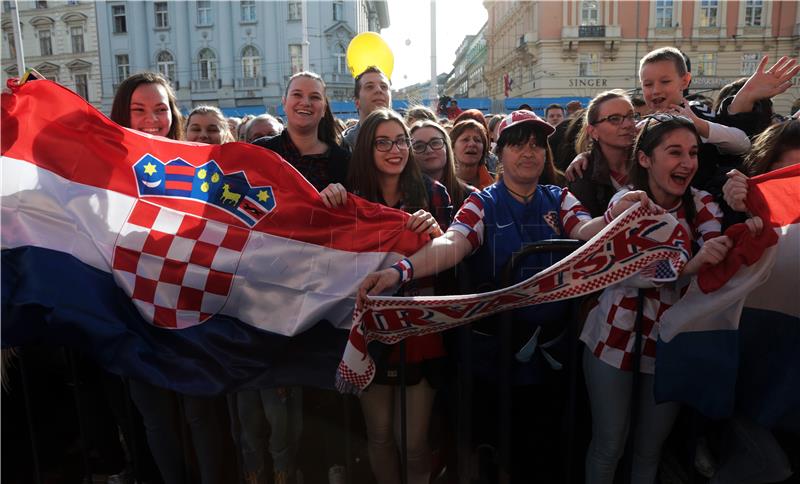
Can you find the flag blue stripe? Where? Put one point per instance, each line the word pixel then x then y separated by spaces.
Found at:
pixel 49 297
pixel 754 371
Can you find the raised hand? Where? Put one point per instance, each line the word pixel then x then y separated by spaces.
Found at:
pixel 765 83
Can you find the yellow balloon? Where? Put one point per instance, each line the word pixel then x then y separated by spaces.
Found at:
pixel 369 49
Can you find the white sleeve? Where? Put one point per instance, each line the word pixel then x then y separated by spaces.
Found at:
pixel 729 140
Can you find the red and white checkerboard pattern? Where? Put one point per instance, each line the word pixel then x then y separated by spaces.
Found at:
pixel 177 268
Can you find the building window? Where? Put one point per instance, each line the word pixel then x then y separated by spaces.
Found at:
pixel 338 10
pixel 208 65
pixel 589 65
pixel 341 59
pixel 708 13
pixel 12 47
pixel 296 57
pixel 41 4
pixel 82 85
pixel 6 6
pixel 76 33
pixel 750 63
pixel 73 2
pixel 589 12
pixel 123 67
pixel 45 43
pixel 752 12
pixel 165 64
pixel 706 64
pixel 295 10
pixel 162 16
pixel 664 13
pixel 120 23
pixel 203 12
pixel 248 10
pixel 251 62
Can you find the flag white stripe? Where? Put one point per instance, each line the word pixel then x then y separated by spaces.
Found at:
pixel 282 285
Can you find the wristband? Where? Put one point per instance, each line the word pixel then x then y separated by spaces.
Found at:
pixel 608 216
pixel 405 269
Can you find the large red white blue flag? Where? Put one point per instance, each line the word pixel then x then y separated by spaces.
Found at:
pixel 201 268
pixel 732 343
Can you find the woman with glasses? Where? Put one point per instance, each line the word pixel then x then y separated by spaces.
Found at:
pixel 521 209
pixel 605 140
pixel 382 170
pixel 665 160
pixel 434 154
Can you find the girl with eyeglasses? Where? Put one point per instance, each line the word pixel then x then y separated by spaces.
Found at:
pixel 383 170
pixel 605 140
pixel 665 159
pixel 434 153
pixel 520 209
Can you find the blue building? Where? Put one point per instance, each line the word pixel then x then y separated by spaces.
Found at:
pixel 237 55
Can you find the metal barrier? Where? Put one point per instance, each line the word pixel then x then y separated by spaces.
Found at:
pixel 463 395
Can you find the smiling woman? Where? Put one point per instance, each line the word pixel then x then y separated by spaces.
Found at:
pixel 311 139
pixel 145 102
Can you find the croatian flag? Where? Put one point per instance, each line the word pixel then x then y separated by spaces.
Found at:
pixel 201 268
pixel 732 343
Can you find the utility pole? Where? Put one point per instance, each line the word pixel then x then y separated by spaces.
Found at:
pixel 433 92
pixel 18 39
pixel 304 27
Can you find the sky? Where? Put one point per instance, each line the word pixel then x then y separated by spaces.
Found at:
pixel 409 35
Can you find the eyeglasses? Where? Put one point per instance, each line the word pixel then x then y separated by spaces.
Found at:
pixel 385 144
pixel 435 144
pixel 617 119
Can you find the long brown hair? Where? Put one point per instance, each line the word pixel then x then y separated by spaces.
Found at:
pixel 362 178
pixel 449 179
pixel 652 135
pixel 121 107
pixel 770 145
pixel 327 131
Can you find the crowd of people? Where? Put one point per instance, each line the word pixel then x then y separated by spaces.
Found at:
pixel 483 187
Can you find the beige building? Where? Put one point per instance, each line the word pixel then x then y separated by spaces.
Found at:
pixel 581 47
pixel 467 79
pixel 59 39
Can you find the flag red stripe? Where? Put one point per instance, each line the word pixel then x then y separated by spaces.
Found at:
pixel 180 170
pixel 51 127
pixel 178 185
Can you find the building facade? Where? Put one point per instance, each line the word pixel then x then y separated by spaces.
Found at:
pixel 467 79
pixel 59 39
pixel 579 48
pixel 237 55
